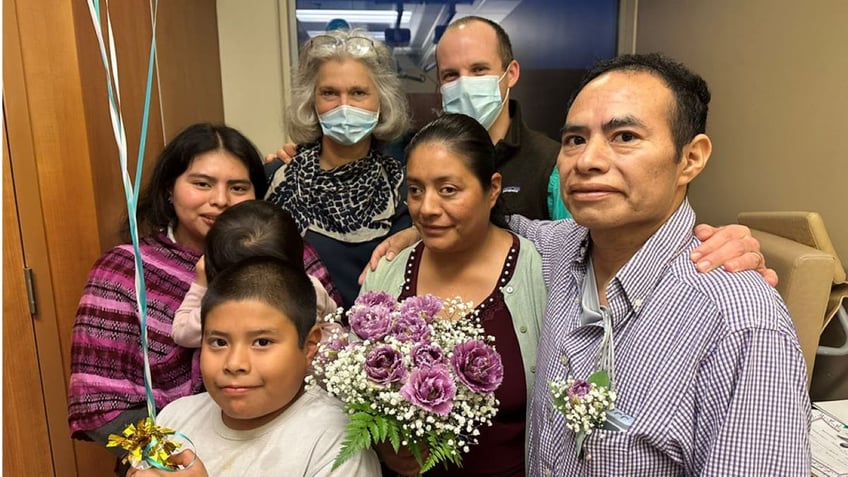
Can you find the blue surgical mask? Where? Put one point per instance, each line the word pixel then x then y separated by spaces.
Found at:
pixel 475 96
pixel 348 125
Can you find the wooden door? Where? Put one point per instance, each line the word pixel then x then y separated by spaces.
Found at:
pixel 66 197
pixel 22 396
pixel 48 156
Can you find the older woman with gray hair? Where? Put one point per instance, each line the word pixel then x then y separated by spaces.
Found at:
pixel 344 194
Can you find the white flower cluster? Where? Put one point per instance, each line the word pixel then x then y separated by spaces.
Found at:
pixel 585 405
pixel 341 363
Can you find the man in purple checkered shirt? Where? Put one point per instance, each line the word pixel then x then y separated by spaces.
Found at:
pixel 708 371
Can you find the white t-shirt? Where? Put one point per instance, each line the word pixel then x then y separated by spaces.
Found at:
pixel 302 441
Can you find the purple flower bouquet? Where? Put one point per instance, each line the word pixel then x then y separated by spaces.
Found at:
pixel 420 374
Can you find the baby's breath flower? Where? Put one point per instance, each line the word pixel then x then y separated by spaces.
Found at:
pixel 371 383
pixel 584 403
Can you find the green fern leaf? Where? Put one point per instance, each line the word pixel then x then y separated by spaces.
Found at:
pixel 394 434
pixel 357 437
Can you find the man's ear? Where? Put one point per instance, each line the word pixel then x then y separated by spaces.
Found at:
pixel 513 72
pixel 495 188
pixel 310 345
pixel 694 159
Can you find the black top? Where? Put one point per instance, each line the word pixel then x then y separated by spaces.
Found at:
pixel 346 260
pixel 526 159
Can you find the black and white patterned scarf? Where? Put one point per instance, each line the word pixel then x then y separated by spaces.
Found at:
pixel 352 203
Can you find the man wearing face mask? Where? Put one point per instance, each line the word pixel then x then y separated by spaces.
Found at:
pixel 477 71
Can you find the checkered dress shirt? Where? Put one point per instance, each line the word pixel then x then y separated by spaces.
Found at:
pixel 708 365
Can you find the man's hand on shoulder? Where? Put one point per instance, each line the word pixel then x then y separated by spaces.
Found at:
pixel 732 247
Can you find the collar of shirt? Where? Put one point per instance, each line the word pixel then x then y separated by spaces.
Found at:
pixel 591 308
pixel 633 283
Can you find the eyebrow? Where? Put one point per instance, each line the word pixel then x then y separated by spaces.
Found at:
pixel 363 86
pixel 251 333
pixel 438 180
pixel 480 64
pixel 611 125
pixel 477 64
pixel 207 177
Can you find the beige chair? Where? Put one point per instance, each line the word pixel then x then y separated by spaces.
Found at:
pixel 813 285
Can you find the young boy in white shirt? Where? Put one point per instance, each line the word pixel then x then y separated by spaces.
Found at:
pixel 257 418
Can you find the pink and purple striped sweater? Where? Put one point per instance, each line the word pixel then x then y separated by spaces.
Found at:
pixel 106 360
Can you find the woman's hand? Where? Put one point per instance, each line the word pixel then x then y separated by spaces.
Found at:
pixel 732 247
pixel 184 458
pixel 285 154
pixel 402 461
pixel 389 248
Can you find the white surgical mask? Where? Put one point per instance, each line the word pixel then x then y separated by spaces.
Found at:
pixel 348 125
pixel 475 96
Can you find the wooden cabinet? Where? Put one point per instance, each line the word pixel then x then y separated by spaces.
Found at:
pixel 62 194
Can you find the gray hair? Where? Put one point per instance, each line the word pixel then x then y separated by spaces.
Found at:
pixel 303 125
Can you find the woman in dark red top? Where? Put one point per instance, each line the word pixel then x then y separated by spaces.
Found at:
pixel 466 251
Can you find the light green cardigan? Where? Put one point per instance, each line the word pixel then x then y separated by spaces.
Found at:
pixel 525 296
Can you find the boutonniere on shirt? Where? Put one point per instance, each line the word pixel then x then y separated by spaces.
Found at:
pixel 585 403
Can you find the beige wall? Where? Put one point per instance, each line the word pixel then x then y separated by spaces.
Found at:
pixel 254 43
pixel 778 71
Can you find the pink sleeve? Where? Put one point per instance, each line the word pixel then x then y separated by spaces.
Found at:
pixel 186 328
pixel 325 306
pixel 324 303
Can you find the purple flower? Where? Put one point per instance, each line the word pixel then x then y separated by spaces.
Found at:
pixel 478 366
pixel 425 306
pixel 431 389
pixel 337 344
pixel 370 322
pixel 384 365
pixel 374 298
pixel 578 389
pixel 334 338
pixel 426 355
pixel 411 328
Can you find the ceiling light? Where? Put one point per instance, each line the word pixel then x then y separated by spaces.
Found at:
pixel 377 35
pixel 388 17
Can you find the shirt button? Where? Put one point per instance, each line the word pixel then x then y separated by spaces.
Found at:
pixel 522 329
pixel 548 472
pixel 563 360
pixel 588 456
pixel 509 289
pixel 533 368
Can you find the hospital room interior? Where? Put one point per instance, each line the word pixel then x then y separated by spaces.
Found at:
pixel 777 72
